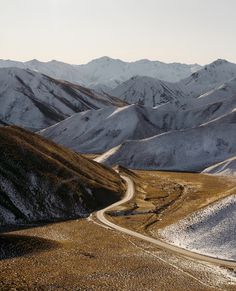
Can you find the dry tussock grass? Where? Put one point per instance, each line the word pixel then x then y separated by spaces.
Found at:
pixel 163 198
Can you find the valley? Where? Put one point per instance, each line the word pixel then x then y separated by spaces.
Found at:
pixel 67 214
pixel 162 198
pixel 61 251
pixel 117 145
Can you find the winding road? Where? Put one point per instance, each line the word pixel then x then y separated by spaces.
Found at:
pixel 162 244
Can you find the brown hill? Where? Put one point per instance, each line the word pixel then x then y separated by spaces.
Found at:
pixel 42 181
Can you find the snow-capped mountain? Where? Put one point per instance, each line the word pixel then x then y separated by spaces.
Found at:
pixel 54 69
pixel 35 101
pixel 41 181
pixel 96 131
pixel 147 91
pixel 215 79
pixel 106 73
pixel 112 72
pixel 191 149
pixel 208 78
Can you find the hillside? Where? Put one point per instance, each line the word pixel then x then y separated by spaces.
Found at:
pixel 147 91
pixel 214 81
pixel 210 231
pixel 226 168
pixel 41 181
pixel 96 131
pixel 192 149
pixel 35 101
pixel 208 78
pixel 221 93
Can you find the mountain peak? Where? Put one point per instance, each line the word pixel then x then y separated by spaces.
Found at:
pixel 34 61
pixel 219 62
pixel 105 59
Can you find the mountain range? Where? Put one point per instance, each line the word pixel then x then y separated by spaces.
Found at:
pixel 185 131
pixel 144 115
pixel 106 73
pixel 165 120
pixel 153 92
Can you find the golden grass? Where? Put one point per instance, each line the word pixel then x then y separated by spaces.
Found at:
pixel 87 256
pixel 163 198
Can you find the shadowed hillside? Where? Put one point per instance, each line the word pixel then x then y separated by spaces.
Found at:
pixel 41 181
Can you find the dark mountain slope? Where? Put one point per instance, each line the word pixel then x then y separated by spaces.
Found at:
pixel 41 181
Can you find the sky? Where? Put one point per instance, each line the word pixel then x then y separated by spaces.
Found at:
pixel 77 31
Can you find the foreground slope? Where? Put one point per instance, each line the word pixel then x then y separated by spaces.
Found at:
pixel 41 181
pixel 210 231
pixel 35 101
pixel 191 149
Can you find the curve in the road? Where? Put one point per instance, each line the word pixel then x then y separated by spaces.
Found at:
pixel 162 244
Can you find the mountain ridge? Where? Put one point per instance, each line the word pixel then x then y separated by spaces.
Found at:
pixel 33 100
pixel 105 71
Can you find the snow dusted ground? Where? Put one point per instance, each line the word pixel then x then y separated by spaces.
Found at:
pixel 96 131
pixel 210 231
pixel 226 168
pixel 191 149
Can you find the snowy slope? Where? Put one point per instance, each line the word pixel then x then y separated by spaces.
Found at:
pixel 208 78
pixel 106 73
pixel 147 91
pixel 214 81
pixel 191 149
pixel 210 231
pixel 221 93
pixel 35 101
pixel 41 181
pixel 226 168
pixel 96 131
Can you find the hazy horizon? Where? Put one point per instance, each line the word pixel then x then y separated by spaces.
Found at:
pixel 78 31
pixel 114 58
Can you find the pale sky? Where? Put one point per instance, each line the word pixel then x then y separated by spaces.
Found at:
pixel 76 31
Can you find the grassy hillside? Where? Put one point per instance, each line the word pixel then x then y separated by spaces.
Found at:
pixel 41 181
pixel 164 198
